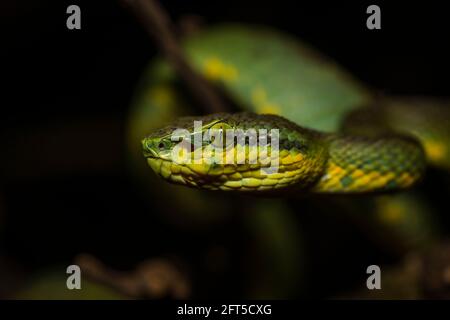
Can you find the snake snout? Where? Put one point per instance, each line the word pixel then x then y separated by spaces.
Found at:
pixel 148 149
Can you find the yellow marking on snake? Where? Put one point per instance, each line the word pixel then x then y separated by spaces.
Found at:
pixel 307 160
pixel 261 102
pixel 215 69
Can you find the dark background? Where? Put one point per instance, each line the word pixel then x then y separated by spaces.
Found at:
pixel 64 185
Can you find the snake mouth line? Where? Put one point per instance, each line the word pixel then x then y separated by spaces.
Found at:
pixel 178 173
pixel 227 178
pixel 150 154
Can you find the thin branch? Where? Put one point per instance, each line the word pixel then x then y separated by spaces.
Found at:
pixel 155 279
pixel 157 24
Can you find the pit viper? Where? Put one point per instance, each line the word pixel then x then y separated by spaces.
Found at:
pixel 384 147
pixel 264 71
pixel 308 159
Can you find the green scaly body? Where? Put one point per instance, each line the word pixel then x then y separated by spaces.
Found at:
pixel 265 71
pixel 308 160
pixel 292 80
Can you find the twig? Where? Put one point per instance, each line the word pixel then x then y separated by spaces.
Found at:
pixel 157 278
pixel 156 22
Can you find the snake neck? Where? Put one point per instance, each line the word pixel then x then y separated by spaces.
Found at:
pixel 364 164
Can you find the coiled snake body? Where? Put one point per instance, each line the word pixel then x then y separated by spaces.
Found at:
pixel 379 148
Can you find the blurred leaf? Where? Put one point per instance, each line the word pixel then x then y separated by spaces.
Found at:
pixel 52 286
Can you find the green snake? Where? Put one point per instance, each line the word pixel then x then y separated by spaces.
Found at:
pixel 308 159
pixel 266 71
pixel 384 147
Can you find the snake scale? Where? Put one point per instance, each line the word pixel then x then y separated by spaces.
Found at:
pixel 383 147
pixel 308 159
pixel 264 71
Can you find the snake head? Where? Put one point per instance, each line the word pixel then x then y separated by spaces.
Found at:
pixel 161 144
pixel 240 152
pixel 176 152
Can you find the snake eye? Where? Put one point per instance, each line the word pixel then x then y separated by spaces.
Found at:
pixel 161 145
